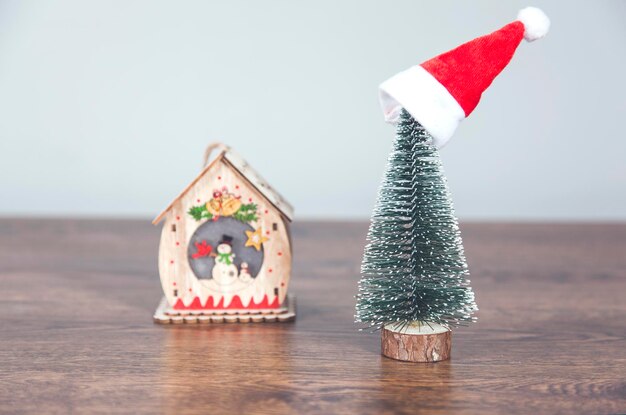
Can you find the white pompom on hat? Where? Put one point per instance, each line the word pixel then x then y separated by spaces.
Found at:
pixel 536 23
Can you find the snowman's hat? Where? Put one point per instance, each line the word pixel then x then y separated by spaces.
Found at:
pixel 227 239
pixel 443 91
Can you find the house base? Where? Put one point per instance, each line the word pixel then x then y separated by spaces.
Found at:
pixel 165 314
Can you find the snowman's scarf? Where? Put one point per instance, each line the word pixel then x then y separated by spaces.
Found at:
pixel 225 258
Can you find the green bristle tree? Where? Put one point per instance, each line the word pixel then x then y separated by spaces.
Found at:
pixel 414 268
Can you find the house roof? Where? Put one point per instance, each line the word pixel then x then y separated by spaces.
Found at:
pixel 242 167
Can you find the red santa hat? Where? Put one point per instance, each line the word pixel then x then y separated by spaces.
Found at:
pixel 442 91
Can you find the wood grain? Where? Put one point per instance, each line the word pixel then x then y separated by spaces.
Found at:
pixel 77 335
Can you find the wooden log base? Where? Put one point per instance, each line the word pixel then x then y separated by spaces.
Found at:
pixel 416 342
pixel 164 315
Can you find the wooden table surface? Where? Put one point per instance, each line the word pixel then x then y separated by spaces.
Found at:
pixel 77 334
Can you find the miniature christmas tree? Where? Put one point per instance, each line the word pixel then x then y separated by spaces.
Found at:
pixel 414 269
pixel 414 286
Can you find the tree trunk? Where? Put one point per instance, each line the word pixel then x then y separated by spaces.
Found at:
pixel 416 342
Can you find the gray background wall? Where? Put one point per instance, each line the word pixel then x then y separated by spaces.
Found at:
pixel 105 107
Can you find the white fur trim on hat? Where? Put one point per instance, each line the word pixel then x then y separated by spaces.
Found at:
pixel 536 23
pixel 425 99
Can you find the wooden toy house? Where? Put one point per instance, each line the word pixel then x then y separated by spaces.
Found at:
pixel 225 251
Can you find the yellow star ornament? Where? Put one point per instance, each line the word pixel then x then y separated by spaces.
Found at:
pixel 255 239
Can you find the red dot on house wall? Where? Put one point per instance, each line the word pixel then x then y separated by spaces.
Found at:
pixel 280 254
pixel 270 270
pixel 267 211
pixel 249 199
pixel 174 284
pixel 198 200
pixel 267 232
pixel 219 177
pixel 282 284
pixel 177 243
pixel 237 187
pixel 171 261
pixel 177 217
pixel 190 290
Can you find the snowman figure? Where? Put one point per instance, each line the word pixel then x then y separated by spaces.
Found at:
pixel 225 271
pixel 244 273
